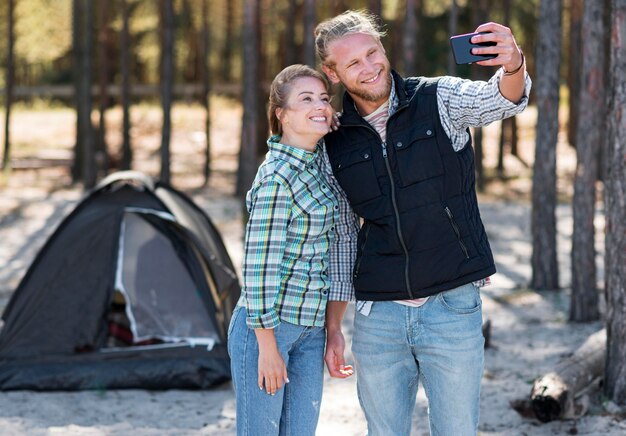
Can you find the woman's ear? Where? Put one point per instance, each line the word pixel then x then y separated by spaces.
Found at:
pixel 279 113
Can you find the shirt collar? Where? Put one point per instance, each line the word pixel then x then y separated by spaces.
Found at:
pixel 294 156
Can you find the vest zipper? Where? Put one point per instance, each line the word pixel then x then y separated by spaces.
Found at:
pixel 358 262
pixel 456 231
pixel 407 279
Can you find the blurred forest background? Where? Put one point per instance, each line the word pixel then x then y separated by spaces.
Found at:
pixel 100 70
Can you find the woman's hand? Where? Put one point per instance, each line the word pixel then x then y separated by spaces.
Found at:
pixel 272 369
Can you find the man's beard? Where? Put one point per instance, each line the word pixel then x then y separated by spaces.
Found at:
pixel 370 96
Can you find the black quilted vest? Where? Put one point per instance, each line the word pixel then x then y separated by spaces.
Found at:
pixel 422 232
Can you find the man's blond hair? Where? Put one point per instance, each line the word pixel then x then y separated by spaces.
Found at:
pixel 347 23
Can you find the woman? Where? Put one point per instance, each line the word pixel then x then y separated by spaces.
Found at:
pixel 276 336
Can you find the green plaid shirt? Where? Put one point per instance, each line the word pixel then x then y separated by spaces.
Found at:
pixel 293 209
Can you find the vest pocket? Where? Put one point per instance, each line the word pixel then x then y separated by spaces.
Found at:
pixel 356 175
pixel 457 231
pixel 417 157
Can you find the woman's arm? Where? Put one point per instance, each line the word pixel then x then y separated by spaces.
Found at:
pixel 272 369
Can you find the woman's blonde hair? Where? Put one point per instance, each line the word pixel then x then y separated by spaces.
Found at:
pixel 345 24
pixel 281 87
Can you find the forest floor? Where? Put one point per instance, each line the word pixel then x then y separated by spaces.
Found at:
pixel 530 332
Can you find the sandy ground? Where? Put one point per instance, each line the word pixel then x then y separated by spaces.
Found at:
pixel 530 332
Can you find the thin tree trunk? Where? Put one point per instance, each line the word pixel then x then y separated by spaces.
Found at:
pixel 615 200
pixel 309 26
pixel 127 151
pixel 88 142
pixel 410 35
pixel 375 7
pixel 506 124
pixel 589 137
pixel 10 75
pixel 574 70
pixel 453 21
pixel 545 273
pixel 77 167
pixel 226 60
pixel 206 88
pixel 102 159
pixel 289 40
pixel 167 85
pixel 250 122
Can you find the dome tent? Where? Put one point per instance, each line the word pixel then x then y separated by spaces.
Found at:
pixel 133 256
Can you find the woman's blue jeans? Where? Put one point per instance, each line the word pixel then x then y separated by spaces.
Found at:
pixel 440 343
pixel 295 408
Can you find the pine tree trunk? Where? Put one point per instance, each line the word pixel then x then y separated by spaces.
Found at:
pixel 102 158
pixel 88 144
pixel 375 7
pixel 589 137
pixel 453 21
pixel 545 274
pixel 309 27
pixel 250 122
pixel 289 38
pixel 77 168
pixel 226 57
pixel 615 200
pixel 409 38
pixel 574 70
pixel 127 151
pixel 167 85
pixel 10 75
pixel 206 88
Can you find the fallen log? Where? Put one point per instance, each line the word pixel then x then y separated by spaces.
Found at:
pixel 553 394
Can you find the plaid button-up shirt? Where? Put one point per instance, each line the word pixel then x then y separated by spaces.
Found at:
pixel 293 210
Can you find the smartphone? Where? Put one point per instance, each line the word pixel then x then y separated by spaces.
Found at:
pixel 461 48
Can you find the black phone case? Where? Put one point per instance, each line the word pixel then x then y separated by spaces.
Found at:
pixel 461 48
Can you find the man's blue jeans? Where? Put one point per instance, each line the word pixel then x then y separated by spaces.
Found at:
pixel 295 408
pixel 440 343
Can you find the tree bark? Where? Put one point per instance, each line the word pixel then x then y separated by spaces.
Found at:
pixel 167 83
pixel 227 53
pixel 206 88
pixel 375 7
pixel 615 203
pixel 102 158
pixel 77 169
pixel 410 36
pixel 8 96
pixel 250 122
pixel 88 163
pixel 507 124
pixel 589 137
pixel 309 27
pixel 453 21
pixel 545 273
pixel 127 151
pixel 552 396
pixel 289 35
pixel 574 70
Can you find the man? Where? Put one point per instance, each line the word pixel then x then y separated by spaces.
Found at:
pixel 404 159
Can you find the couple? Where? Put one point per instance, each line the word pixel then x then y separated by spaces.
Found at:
pixel 402 162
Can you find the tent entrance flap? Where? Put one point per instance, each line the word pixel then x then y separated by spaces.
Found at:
pixel 155 275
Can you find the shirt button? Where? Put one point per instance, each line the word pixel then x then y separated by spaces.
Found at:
pixel 399 144
pixel 324 292
pixel 324 187
pixel 366 156
pixel 429 132
pixel 336 207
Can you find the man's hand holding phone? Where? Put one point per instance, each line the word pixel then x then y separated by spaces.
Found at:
pixel 491 45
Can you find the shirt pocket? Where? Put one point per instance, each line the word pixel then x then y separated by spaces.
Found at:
pixel 356 174
pixel 417 154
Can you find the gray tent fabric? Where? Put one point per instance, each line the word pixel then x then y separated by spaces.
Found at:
pixel 172 268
